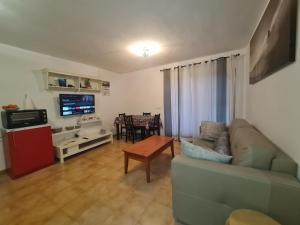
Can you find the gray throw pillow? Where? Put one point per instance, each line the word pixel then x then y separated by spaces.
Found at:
pixel 198 152
pixel 211 130
pixel 222 144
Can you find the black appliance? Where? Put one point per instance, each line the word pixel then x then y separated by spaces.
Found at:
pixel 23 118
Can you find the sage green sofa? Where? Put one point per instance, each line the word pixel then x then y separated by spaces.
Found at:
pixel 261 177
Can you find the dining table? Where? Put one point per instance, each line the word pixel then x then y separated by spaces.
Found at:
pixel 139 121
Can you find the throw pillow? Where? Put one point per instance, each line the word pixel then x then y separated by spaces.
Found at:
pixel 211 130
pixel 198 152
pixel 203 143
pixel 222 144
pixel 252 149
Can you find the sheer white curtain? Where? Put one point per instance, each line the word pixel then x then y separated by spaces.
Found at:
pixel 174 101
pixel 194 94
pixel 235 88
pixel 193 97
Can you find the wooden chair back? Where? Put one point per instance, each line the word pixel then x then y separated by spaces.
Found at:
pixel 122 117
pixel 128 121
pixel 156 120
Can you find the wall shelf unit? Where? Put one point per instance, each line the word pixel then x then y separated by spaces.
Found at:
pixel 60 81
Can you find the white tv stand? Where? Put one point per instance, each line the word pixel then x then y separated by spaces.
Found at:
pixel 79 144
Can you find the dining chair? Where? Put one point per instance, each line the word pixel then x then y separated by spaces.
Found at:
pixel 155 125
pixel 146 113
pixel 131 130
pixel 122 125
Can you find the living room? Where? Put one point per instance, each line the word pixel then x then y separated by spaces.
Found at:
pixel 188 64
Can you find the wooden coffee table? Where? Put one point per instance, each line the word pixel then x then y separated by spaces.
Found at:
pixel 147 150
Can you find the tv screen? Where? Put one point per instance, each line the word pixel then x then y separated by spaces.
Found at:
pixel 75 104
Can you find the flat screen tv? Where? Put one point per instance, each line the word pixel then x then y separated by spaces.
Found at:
pixel 76 104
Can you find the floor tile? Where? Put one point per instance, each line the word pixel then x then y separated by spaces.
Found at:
pixel 156 214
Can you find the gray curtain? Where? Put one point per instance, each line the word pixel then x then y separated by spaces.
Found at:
pixel 221 90
pixel 167 103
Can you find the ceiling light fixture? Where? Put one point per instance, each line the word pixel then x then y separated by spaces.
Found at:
pixel 145 48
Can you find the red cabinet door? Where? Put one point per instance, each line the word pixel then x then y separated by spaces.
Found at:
pixel 29 150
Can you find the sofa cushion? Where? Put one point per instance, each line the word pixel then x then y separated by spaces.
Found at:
pixel 237 123
pixel 284 164
pixel 211 130
pixel 203 143
pixel 222 144
pixel 250 148
pixel 198 152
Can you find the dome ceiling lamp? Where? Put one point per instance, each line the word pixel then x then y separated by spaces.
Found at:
pixel 145 48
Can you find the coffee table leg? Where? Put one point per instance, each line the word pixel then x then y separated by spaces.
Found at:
pixel 172 149
pixel 126 163
pixel 147 163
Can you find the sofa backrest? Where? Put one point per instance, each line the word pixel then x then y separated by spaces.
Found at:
pixel 251 148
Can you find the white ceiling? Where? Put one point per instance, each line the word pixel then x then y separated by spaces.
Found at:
pixel 98 32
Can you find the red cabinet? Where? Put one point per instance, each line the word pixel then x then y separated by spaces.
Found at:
pixel 28 150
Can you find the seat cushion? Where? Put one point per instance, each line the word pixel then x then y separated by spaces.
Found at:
pixel 250 148
pixel 284 164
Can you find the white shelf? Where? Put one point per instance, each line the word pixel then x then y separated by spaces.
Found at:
pixel 88 121
pixel 50 87
pixel 65 132
pixel 77 80
pixel 76 145
pixel 89 90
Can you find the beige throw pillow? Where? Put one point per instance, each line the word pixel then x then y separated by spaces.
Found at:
pixel 222 144
pixel 211 130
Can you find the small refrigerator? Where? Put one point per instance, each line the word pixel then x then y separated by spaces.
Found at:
pixel 27 149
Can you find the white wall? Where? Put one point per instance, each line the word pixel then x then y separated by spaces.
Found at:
pixel 273 106
pixel 20 73
pixel 142 92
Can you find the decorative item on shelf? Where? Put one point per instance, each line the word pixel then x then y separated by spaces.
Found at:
pixel 89 119
pixel 95 86
pixel 102 131
pixel 56 130
pixel 53 81
pixel 70 83
pixel 62 82
pixel 87 83
pixel 10 107
pixel 71 127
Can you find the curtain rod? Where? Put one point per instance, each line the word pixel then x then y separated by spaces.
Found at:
pixel 193 64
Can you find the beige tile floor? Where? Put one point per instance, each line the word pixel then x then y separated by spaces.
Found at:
pixel 91 188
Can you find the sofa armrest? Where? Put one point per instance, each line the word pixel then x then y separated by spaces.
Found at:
pixel 209 189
